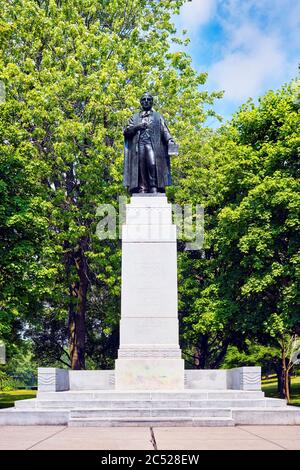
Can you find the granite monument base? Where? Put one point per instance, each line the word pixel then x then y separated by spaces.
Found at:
pixel 149 356
pixel 210 398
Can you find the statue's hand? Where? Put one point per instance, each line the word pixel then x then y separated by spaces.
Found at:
pixel 142 126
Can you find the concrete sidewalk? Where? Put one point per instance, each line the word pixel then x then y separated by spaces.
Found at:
pixel 138 438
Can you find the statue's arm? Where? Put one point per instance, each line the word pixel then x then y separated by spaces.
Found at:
pixel 132 128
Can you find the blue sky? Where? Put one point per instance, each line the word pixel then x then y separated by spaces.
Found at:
pixel 246 46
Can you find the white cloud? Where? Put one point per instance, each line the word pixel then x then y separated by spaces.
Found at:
pixel 252 59
pixel 196 13
pixel 251 47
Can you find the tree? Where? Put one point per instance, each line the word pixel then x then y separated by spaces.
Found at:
pixel 23 231
pixel 74 71
pixel 247 177
pixel 280 329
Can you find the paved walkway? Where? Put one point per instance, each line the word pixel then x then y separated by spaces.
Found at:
pixel 135 438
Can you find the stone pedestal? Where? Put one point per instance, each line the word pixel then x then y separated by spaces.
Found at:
pixel 149 356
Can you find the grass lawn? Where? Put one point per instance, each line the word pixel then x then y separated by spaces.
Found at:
pixel 8 399
pixel 269 386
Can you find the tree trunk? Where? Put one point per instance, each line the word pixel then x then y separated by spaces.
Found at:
pixel 76 269
pixel 197 358
pixel 77 312
pixel 77 331
pixel 216 363
pixel 284 384
pixel 201 353
pixel 282 387
pixel 287 385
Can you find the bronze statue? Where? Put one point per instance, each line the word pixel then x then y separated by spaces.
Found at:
pixel 147 149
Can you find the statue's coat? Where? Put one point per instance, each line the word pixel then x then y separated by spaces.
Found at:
pixel 159 135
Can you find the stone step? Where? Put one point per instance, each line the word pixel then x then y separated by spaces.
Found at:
pixel 13 417
pixel 137 395
pixel 151 422
pixel 111 404
pixel 289 415
pixel 144 412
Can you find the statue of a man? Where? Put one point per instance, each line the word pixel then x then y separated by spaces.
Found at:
pixel 146 155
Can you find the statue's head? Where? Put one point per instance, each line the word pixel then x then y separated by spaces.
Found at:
pixel 146 101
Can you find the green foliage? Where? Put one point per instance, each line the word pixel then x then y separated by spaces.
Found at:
pixel 74 71
pixel 22 368
pixel 7 382
pixel 267 357
pixel 247 177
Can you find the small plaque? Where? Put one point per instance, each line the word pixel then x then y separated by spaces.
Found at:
pixel 172 148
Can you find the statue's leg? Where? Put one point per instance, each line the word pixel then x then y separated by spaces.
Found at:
pixel 143 179
pixel 151 167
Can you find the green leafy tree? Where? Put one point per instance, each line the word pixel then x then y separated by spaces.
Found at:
pixel 247 177
pixel 74 71
pixel 23 231
pixel 280 328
